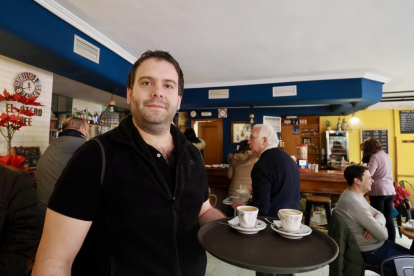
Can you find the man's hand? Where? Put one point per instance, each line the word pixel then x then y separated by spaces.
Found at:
pixel 373 213
pixel 368 235
pixel 236 203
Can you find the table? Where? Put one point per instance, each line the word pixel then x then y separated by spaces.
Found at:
pixel 409 234
pixel 267 251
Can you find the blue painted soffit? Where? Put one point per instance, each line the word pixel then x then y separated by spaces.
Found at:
pixel 45 41
pixel 335 95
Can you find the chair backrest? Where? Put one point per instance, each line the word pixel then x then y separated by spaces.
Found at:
pixel 404 265
pixel 349 260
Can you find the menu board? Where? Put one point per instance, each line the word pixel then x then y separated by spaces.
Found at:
pixel 32 155
pixel 378 134
pixel 407 121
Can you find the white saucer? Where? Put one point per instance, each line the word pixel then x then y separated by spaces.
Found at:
pixel 408 226
pixel 260 225
pixel 304 230
pixel 229 200
pixel 243 192
pixel 323 221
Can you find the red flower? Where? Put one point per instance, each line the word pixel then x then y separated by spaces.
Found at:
pixel 27 112
pixel 29 101
pixel 14 119
pixel 6 97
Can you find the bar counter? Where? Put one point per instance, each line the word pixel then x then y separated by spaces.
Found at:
pixel 322 182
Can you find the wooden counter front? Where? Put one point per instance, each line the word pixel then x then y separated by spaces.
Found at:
pixel 324 182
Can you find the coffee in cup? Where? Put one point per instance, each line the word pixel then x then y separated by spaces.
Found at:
pixel 247 216
pixel 291 219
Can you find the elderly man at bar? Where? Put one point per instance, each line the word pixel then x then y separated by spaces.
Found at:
pixel 275 176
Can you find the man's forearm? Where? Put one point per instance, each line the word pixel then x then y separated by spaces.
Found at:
pixel 51 268
pixel 210 215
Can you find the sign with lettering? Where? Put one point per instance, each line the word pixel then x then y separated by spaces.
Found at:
pixel 407 121
pixel 378 134
pixel 32 155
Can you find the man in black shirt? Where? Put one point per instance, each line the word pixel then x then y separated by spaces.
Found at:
pixel 144 218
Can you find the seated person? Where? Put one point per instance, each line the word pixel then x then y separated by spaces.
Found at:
pixel 366 223
pixel 20 221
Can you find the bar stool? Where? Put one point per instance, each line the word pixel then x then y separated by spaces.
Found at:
pixel 323 201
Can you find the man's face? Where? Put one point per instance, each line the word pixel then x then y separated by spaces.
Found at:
pixel 154 97
pixel 256 143
pixel 366 182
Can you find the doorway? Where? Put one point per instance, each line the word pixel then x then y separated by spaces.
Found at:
pixel 211 131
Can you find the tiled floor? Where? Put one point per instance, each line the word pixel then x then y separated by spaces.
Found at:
pixel 218 268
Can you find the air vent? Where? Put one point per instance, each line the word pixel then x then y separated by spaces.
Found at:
pixel 218 94
pixel 284 91
pixel 86 49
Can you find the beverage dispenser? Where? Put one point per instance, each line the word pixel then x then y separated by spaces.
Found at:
pixel 302 157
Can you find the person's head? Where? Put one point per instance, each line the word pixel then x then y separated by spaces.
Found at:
pixel 371 146
pixel 78 124
pixel 191 135
pixel 261 137
pixel 158 55
pixel 154 91
pixel 243 146
pixel 358 178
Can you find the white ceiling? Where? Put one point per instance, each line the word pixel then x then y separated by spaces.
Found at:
pixel 218 41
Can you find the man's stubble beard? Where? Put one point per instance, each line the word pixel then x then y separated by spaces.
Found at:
pixel 152 121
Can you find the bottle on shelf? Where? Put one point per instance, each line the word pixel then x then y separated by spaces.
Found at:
pixel 339 124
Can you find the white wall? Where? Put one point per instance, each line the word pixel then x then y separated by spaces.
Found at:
pixel 82 105
pixel 38 133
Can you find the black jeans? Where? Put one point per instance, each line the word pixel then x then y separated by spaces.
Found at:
pixel 384 205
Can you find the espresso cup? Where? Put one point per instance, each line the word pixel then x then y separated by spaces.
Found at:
pixel 291 219
pixel 247 216
pixel 317 217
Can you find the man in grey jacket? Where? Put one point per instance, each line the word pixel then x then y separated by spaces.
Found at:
pixel 366 223
pixel 51 164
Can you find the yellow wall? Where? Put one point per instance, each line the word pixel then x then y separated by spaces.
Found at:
pixel 403 153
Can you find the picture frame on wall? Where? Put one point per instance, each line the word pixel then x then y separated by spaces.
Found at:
pixel 240 130
pixel 306 141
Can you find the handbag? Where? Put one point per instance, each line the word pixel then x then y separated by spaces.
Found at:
pixel 408 204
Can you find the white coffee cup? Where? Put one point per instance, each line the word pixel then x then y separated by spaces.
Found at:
pixel 247 216
pixel 291 219
pixel 317 217
pixel 316 167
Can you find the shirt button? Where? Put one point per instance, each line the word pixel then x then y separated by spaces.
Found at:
pixel 158 155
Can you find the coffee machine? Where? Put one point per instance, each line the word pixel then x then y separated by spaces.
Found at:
pixel 302 157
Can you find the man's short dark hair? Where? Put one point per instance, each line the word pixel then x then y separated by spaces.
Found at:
pixel 354 171
pixel 158 55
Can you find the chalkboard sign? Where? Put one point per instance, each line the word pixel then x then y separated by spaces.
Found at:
pixel 378 134
pixel 407 121
pixel 32 155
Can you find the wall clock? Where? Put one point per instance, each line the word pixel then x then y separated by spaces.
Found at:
pixel 27 84
pixel 193 114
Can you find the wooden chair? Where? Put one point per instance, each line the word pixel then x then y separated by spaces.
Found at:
pixel 323 201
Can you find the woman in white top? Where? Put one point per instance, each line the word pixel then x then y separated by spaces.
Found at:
pixel 382 192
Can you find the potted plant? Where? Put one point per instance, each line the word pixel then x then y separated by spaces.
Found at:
pixel 12 119
pixel 328 125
